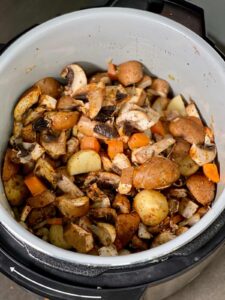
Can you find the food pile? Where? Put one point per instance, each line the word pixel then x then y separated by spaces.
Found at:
pixel 109 164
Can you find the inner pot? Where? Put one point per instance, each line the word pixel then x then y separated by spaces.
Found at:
pixel 91 38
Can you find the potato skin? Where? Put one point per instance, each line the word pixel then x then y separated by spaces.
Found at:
pixel 73 207
pixel 50 86
pixel 201 188
pixel 130 72
pixel 158 172
pixel 15 190
pixel 188 128
pixel 151 206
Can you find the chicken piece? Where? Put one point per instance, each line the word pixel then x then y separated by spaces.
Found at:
pixel 99 198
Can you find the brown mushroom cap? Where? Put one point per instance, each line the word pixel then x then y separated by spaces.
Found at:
pixel 158 172
pixel 188 128
pixel 201 188
pixel 130 72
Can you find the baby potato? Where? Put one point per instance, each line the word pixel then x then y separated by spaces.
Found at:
pixel 163 238
pixel 56 237
pixel 151 206
pixel 130 72
pixel 177 104
pixel 15 190
pixel 50 86
pixel 84 161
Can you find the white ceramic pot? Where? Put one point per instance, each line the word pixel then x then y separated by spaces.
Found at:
pixel 91 38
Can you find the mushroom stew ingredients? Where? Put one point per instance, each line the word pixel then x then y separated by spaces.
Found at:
pixel 108 164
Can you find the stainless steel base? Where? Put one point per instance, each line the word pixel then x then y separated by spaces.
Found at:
pixel 168 288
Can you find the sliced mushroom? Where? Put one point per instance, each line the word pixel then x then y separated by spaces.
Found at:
pixel 160 105
pixel 26 101
pixel 187 208
pixel 48 102
pixel 105 232
pixel 108 251
pixel 177 193
pixel 106 162
pixel 68 187
pixel 202 155
pixel 201 188
pixel 160 87
pixel 86 126
pixel 69 103
pixel 76 79
pixel 28 134
pixel 188 128
pixel 44 169
pixel 79 238
pixel 163 238
pixel 113 94
pixel 55 147
pixel 106 131
pixel 71 206
pixel 139 244
pixel 33 114
pixel 99 198
pixel 142 154
pixel 145 82
pixel 37 152
pixel 108 179
pixel 122 204
pixel 41 200
pixel 137 119
pixel 50 86
pixel 180 150
pixel 62 120
pixel 143 232
pixel 17 129
pixel 100 77
pixel 96 96
pixel 130 72
pixel 106 113
pixel 137 96
pixel 126 181
pixel 105 214
pixel 121 161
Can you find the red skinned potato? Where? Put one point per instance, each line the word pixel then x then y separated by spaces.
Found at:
pixel 158 172
pixel 130 72
pixel 188 128
pixel 201 188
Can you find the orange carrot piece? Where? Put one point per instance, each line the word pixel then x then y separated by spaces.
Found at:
pixel 158 128
pixel 211 171
pixel 112 71
pixel 90 142
pixel 114 147
pixel 35 185
pixel 55 221
pixel 138 140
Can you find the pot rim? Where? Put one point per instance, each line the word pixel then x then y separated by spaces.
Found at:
pixel 149 255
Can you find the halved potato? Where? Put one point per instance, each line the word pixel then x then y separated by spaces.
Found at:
pixel 105 232
pixel 84 161
pixel 56 237
pixel 177 104
pixel 15 190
